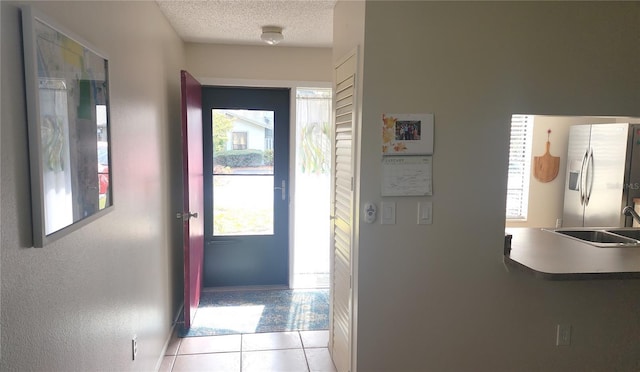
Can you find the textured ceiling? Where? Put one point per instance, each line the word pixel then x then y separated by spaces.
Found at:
pixel 307 23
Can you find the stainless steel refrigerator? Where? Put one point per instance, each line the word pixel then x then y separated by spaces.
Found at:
pixel 603 174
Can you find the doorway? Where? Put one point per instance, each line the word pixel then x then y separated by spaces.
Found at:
pixel 246 183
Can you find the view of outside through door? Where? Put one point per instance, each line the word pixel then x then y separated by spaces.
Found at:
pixel 243 172
pixel 243 180
pixel 312 196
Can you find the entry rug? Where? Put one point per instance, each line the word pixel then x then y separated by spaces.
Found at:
pixel 256 311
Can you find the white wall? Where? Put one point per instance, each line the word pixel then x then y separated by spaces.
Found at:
pixel 74 305
pixel 258 62
pixel 438 297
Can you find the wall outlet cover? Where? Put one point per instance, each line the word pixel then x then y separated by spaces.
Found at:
pixel 563 335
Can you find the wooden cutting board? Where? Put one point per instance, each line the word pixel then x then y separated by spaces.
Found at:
pixel 546 167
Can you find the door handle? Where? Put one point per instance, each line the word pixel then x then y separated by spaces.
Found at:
pixel 186 216
pixel 589 176
pixel 283 189
pixel 582 185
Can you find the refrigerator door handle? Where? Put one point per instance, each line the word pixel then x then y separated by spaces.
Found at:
pixel 582 181
pixel 590 172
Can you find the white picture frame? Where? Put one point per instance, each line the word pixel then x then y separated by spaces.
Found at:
pixel 407 134
pixel 67 96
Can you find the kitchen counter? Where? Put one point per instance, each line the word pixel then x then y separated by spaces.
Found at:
pixel 549 255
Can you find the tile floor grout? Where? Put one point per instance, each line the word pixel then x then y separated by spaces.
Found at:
pixel 270 344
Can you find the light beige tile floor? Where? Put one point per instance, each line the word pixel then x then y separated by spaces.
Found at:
pixel 298 351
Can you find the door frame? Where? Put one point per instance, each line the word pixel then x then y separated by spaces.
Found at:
pixel 293 85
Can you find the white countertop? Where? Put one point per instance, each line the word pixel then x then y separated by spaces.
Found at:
pixel 553 256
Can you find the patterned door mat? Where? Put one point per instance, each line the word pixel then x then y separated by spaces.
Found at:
pixel 256 311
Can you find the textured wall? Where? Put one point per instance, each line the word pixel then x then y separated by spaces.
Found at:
pixel 438 297
pixel 74 305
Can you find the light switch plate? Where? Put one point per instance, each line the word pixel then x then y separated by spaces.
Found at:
pixel 425 213
pixel 388 213
pixel 563 334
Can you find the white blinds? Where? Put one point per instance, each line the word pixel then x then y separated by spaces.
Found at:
pixel 519 166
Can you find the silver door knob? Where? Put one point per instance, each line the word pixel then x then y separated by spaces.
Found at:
pixel 186 216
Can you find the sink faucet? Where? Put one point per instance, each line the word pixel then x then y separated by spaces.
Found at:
pixel 629 211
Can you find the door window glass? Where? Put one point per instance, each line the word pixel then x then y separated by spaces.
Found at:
pixel 243 186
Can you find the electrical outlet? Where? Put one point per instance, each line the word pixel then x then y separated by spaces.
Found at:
pixel 134 347
pixel 563 335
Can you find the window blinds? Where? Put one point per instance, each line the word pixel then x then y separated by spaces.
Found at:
pixel 519 166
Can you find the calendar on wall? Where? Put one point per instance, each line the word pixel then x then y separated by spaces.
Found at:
pixel 407 175
pixel 407 148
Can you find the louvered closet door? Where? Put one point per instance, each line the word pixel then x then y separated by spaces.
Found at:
pixel 342 212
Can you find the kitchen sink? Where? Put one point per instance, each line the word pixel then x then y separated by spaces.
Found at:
pixel 629 233
pixel 604 238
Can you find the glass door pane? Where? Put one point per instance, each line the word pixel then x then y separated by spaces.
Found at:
pixel 313 186
pixel 243 179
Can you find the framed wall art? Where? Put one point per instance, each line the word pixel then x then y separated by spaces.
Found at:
pixel 67 86
pixel 407 134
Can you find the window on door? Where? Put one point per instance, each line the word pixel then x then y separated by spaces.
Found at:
pixel 242 172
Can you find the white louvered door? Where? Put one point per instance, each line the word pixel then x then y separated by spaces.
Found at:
pixel 342 214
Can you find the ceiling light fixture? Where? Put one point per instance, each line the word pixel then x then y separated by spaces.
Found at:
pixel 272 35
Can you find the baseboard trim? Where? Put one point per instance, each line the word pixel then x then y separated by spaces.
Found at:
pixel 168 340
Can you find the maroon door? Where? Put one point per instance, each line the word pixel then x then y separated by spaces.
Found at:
pixel 193 213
